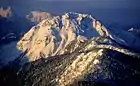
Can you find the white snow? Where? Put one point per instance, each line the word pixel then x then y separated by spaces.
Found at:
pixel 52 37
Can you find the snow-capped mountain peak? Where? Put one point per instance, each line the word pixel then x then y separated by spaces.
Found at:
pixel 52 35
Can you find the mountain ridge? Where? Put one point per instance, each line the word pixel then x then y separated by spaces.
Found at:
pixel 52 35
pixel 70 50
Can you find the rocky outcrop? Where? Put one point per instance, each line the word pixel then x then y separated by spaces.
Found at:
pixel 52 35
pixel 83 65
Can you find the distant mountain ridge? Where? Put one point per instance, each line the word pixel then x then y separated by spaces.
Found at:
pixel 5 12
pixel 10 22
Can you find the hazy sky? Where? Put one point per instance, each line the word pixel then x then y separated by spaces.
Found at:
pixel 68 5
pixel 121 12
pixel 91 3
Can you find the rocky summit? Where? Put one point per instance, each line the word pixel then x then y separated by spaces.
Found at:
pixel 52 35
pixel 74 50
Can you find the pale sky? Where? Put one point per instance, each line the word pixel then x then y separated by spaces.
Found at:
pixel 124 12
pixel 91 3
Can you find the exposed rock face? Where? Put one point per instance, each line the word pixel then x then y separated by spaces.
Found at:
pixel 83 65
pixel 51 36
